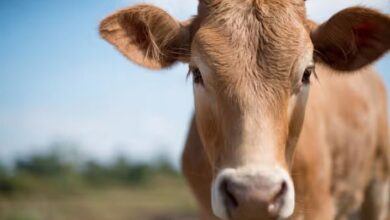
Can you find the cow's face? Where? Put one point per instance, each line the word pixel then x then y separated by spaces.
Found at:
pixel 251 62
pixel 251 81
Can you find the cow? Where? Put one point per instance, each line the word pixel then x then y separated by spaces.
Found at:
pixel 260 146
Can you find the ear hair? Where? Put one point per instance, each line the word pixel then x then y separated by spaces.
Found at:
pixel 147 35
pixel 352 38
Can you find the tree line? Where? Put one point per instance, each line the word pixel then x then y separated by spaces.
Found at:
pixel 51 172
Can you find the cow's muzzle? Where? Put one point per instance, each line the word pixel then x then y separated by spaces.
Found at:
pixel 253 193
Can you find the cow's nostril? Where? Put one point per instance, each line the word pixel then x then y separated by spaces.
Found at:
pixel 228 195
pixel 282 191
pixel 277 202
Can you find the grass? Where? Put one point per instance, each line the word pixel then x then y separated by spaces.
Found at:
pixel 163 198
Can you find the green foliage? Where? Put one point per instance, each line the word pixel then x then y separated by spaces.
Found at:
pixel 42 165
pixel 121 171
pixel 6 183
pixel 49 172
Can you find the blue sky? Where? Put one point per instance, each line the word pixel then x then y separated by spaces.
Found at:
pixel 60 82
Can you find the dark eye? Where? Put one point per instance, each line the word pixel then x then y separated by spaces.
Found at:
pixel 306 75
pixel 197 76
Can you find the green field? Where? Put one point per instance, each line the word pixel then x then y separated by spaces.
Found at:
pixel 164 199
pixel 49 187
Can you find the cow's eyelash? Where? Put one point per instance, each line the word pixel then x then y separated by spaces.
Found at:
pixel 196 75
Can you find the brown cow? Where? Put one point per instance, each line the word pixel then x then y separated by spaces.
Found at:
pixel 252 151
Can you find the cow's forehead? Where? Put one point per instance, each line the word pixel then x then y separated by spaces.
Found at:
pixel 257 40
pixel 228 9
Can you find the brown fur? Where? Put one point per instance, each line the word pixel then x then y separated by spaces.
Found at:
pixel 253 109
pixel 147 35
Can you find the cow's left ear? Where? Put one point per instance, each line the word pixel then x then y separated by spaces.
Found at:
pixel 352 38
pixel 148 36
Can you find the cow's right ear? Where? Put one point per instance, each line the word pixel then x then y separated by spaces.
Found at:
pixel 352 38
pixel 148 36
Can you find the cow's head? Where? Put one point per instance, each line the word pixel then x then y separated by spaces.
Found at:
pixel 251 62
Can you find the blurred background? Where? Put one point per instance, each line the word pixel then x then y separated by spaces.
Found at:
pixel 84 133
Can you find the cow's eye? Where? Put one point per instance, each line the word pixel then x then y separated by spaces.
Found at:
pixel 306 75
pixel 196 75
